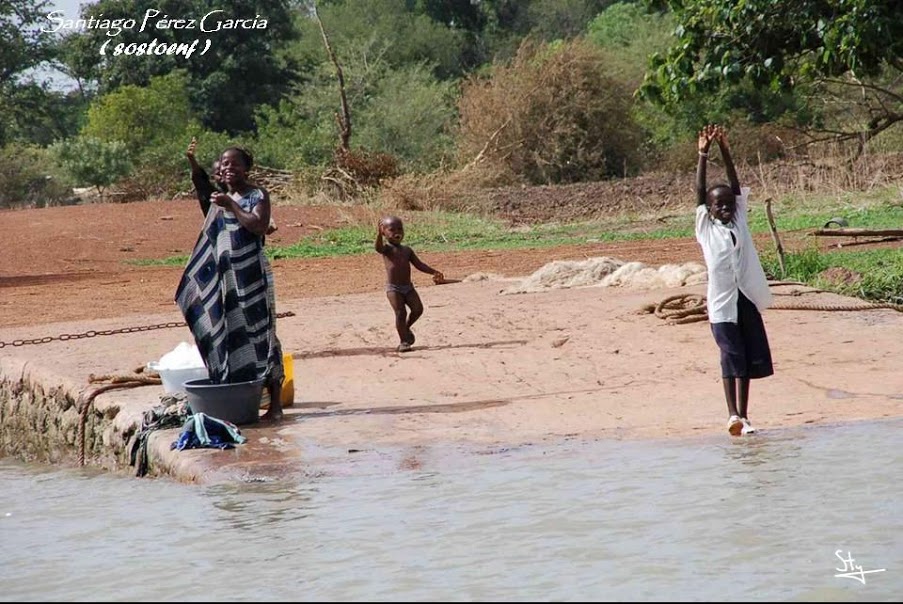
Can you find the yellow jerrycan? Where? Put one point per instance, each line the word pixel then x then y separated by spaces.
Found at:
pixel 288 384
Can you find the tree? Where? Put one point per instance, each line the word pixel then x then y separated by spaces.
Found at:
pixel 630 33
pixel 93 162
pixel 552 116
pixel 24 46
pixel 387 31
pixel 409 116
pixel 242 69
pixel 845 54
pixel 36 114
pixel 144 118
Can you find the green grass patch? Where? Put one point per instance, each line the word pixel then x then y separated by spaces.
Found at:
pixel 879 273
pixel 440 231
pixel 877 209
pixel 446 231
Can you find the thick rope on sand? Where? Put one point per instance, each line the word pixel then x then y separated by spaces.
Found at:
pixel 690 308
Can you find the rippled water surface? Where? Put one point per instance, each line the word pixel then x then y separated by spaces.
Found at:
pixel 758 518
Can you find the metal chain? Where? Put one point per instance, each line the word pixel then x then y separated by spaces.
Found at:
pixel 64 337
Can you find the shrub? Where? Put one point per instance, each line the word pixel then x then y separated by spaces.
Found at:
pixel 551 116
pixel 31 178
pixel 143 118
pixel 93 162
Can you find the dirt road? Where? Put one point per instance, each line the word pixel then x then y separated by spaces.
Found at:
pixel 73 263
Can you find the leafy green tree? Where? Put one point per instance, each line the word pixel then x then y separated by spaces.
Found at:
pixel 562 19
pixel 23 46
pixel 380 32
pixel 31 177
pixel 409 117
pixel 299 131
pixel 90 161
pixel 242 69
pixel 155 123
pixel 37 114
pixel 630 33
pixel 505 23
pixel 143 118
pixel 405 112
pixel 845 54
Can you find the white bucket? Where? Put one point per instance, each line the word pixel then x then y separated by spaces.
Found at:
pixel 174 379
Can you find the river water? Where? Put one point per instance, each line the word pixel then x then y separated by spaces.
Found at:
pixel 770 517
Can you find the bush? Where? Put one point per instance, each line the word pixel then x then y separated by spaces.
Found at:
pixel 409 116
pixel 92 162
pixel 552 116
pixel 631 34
pixel 404 112
pixel 294 133
pixel 143 119
pixel 31 178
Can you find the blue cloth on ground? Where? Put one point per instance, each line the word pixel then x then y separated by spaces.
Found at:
pixel 202 431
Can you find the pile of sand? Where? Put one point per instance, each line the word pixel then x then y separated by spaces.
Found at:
pixel 608 272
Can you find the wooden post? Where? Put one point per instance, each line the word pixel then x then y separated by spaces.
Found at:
pixel 858 232
pixel 774 235
pixel 343 120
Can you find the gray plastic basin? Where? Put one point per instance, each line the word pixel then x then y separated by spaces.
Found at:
pixel 238 403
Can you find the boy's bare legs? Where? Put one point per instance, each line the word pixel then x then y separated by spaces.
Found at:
pixel 416 306
pixel 734 424
pixel 401 317
pixel 730 394
pixel 744 397
pixel 274 413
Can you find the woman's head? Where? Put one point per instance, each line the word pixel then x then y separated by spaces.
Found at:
pixel 722 203
pixel 234 165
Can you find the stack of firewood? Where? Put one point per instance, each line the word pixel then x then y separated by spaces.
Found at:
pixel 273 180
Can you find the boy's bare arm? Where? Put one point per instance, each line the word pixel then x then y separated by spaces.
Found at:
pixel 380 245
pixel 702 144
pixel 728 161
pixel 424 268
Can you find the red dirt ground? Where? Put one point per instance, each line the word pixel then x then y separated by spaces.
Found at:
pixel 72 263
pixel 490 370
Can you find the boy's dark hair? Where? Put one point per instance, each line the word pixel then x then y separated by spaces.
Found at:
pixel 710 193
pixel 245 155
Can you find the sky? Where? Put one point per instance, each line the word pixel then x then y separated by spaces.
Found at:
pixel 71 11
pixel 69 6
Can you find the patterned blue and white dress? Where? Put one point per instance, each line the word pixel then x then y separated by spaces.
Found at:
pixel 227 298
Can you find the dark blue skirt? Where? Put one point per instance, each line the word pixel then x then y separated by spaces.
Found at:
pixel 744 345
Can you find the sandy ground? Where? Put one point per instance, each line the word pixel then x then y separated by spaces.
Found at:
pixel 489 370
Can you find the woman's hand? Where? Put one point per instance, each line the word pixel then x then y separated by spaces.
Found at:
pixel 221 199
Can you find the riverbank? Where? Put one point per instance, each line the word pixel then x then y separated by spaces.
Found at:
pixel 489 371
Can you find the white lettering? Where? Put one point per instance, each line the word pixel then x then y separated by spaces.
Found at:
pixel 154 48
pixel 204 22
pixel 151 12
pixel 51 17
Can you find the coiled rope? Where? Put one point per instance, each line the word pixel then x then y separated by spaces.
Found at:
pixel 691 308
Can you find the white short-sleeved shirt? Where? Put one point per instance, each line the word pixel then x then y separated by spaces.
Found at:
pixel 732 262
